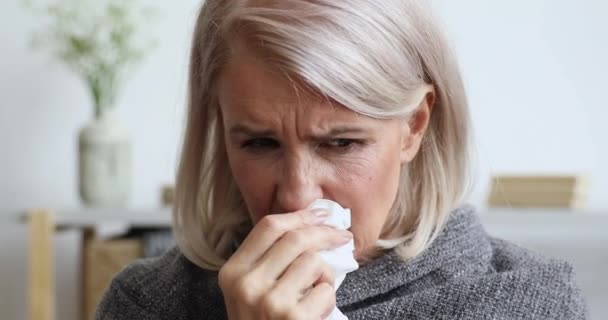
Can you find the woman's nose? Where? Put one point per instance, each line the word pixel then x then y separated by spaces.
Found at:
pixel 298 187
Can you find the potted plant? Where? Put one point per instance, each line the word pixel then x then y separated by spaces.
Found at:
pixel 101 41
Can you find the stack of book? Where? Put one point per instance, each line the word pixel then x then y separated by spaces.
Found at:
pixel 538 191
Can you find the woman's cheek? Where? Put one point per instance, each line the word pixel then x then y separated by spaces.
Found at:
pixel 354 168
pixel 369 185
pixel 255 182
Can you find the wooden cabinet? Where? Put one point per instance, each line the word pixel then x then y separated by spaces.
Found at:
pixel 102 256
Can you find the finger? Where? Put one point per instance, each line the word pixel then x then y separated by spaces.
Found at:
pixel 304 273
pixel 270 229
pixel 295 243
pixel 319 302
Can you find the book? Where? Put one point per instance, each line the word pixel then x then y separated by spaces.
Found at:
pixel 538 191
pixel 541 183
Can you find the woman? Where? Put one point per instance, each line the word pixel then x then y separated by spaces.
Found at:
pixel 356 101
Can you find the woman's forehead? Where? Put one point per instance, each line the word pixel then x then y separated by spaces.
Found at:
pixel 249 78
pixel 251 95
pixel 250 83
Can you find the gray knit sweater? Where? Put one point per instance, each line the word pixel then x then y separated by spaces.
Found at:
pixel 464 274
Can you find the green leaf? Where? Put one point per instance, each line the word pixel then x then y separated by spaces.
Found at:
pixel 99 39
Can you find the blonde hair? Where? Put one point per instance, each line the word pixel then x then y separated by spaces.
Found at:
pixel 376 57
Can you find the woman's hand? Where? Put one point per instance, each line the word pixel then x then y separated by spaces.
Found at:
pixel 277 274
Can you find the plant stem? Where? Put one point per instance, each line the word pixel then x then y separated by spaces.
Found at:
pixel 103 92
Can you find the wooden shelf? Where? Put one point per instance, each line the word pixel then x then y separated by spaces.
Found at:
pixel 544 222
pixel 159 217
pixel 502 218
pixel 91 218
pixel 94 224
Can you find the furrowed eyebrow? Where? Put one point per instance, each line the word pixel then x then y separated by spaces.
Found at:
pixel 241 129
pixel 244 130
pixel 345 130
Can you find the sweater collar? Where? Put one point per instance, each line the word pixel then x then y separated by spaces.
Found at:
pixel 462 240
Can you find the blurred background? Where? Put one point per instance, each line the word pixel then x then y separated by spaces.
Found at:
pixel 535 73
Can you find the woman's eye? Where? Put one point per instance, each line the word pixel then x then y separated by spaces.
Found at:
pixel 260 144
pixel 340 144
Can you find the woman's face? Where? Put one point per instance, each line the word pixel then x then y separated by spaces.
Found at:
pixel 287 149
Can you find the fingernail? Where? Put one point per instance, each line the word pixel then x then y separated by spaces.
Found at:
pixel 319 216
pixel 320 213
pixel 344 239
pixel 347 234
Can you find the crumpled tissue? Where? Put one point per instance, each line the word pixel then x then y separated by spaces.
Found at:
pixel 341 259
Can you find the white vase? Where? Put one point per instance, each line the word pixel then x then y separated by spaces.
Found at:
pixel 104 151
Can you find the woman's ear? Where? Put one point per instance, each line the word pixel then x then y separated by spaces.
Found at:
pixel 416 126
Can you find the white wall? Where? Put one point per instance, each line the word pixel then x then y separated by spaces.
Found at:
pixel 42 107
pixel 534 72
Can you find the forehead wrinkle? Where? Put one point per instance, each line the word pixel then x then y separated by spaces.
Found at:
pixel 308 97
pixel 313 111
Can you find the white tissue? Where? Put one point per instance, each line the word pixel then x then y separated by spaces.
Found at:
pixel 342 259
